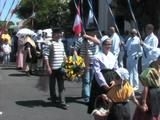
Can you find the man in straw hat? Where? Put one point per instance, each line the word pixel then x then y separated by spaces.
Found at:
pixel 30 54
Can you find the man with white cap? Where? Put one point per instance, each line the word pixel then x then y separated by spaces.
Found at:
pixel 134 51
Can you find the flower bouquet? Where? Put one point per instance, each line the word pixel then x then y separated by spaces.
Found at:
pixel 73 67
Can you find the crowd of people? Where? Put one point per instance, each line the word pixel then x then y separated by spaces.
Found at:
pixel 111 76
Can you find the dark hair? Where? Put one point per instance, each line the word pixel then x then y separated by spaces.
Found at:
pixel 110 75
pixel 150 27
pixel 56 30
pixel 155 64
pixel 100 102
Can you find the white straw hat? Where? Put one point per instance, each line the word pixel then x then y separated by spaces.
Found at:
pixel 105 37
pixel 123 73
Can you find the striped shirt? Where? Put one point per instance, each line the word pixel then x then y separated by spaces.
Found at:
pixel 55 53
pixel 86 48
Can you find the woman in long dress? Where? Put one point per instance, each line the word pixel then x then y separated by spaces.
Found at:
pixel 20 53
pixel 103 62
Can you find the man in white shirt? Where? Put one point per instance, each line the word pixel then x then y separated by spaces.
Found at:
pixel 115 49
pixel 134 51
pixel 150 42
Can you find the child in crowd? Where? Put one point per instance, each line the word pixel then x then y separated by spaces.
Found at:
pixel 118 97
pixel 6 48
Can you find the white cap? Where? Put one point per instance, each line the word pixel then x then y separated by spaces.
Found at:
pixel 49 32
pixel 39 32
pixel 104 38
pixel 134 31
pixel 49 35
pixel 123 73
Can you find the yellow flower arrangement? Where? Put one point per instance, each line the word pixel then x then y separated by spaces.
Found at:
pixel 73 67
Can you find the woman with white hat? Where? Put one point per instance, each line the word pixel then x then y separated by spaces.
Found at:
pixel 118 96
pixel 103 62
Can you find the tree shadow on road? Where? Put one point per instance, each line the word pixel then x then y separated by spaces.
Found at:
pixel 37 103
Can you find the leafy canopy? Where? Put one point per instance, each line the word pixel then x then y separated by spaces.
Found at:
pixel 48 13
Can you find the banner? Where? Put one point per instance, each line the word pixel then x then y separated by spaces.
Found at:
pixel 77 26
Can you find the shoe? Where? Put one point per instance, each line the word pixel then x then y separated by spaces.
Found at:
pixel 19 68
pixel 86 100
pixel 27 73
pixel 64 106
pixel 135 88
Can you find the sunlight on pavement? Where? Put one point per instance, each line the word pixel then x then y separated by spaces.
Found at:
pixel 1 113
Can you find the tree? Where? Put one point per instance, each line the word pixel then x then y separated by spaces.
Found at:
pixel 47 13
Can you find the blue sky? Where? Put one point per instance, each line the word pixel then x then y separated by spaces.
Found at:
pixel 6 9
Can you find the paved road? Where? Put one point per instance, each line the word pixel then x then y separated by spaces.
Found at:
pixel 20 99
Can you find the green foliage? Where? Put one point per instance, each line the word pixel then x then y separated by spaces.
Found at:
pixel 2 23
pixel 48 13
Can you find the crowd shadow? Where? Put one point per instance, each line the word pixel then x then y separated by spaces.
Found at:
pixel 35 103
pixel 8 68
pixel 78 100
pixel 42 103
pixel 17 74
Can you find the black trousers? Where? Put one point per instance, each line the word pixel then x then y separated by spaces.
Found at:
pixel 56 77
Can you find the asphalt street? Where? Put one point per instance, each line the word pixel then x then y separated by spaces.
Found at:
pixel 26 98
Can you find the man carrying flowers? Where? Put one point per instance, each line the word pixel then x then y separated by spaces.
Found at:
pixel 54 56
